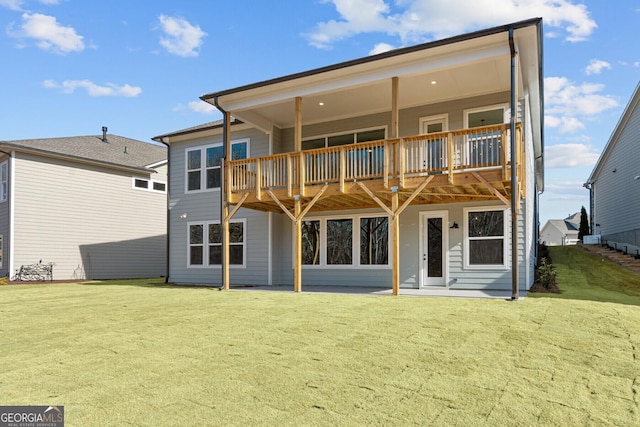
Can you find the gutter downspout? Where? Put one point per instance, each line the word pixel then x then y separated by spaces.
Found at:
pixel 225 136
pixel 515 291
pixel 166 272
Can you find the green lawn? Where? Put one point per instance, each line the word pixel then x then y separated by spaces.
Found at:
pixel 143 354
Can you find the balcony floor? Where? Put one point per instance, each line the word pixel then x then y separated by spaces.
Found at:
pixel 466 187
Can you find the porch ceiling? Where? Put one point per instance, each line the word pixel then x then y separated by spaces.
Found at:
pixel 488 75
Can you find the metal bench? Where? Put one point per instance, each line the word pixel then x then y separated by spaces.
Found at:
pixel 39 272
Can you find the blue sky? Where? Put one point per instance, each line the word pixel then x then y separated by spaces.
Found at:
pixel 70 67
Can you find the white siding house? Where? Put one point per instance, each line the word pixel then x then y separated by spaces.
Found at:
pixel 418 168
pixel 94 206
pixel 615 182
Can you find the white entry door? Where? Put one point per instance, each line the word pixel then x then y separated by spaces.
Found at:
pixel 434 248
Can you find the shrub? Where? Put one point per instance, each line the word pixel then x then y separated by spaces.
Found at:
pixel 547 274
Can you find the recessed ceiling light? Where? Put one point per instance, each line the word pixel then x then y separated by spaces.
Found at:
pixel 433 82
pixel 321 103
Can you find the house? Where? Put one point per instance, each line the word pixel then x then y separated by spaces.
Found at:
pixel 418 168
pixel 95 206
pixel 614 183
pixel 561 232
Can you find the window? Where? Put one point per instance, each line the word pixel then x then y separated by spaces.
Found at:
pixel 355 241
pixel 204 164
pixel 344 138
pixel 485 239
pixel 484 147
pixel 310 242
pixel 150 185
pixel 4 181
pixel 210 254
pixel 374 241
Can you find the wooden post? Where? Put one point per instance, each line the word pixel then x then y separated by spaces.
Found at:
pixel 225 245
pixel 395 112
pixel 297 137
pixel 450 155
pixel 297 247
pixel 395 245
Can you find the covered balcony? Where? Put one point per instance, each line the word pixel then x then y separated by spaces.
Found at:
pixel 455 166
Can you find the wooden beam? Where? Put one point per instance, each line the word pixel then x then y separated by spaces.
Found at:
pixel 312 202
pixel 413 195
pixel 395 246
pixel 297 248
pixel 376 199
pixel 238 206
pixel 492 189
pixel 279 203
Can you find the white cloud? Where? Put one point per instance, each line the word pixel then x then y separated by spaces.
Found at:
pixel 198 107
pixel 50 2
pixel 180 37
pixel 596 66
pixel 109 89
pixel 12 4
pixel 570 156
pixel 416 21
pixel 49 34
pixel 566 101
pixel 381 48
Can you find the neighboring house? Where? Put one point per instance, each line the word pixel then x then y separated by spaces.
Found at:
pixel 561 232
pixel 403 169
pixel 93 205
pixel 615 181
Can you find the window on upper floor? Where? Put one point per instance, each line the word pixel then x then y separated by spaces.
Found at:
pixel 149 185
pixel 203 169
pixel 4 181
pixel 354 137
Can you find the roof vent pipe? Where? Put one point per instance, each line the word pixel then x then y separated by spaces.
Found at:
pixel 104 134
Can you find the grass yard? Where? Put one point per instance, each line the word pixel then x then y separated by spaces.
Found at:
pixel 143 354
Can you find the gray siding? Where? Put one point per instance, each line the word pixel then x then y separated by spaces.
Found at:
pixel 4 223
pixel 616 192
pixel 278 251
pixel 89 221
pixel 205 206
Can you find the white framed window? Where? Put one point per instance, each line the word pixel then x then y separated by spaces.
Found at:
pixel 4 181
pixel 149 185
pixel 348 241
pixel 485 237
pixel 203 165
pixel 205 244
pixel 344 138
pixel 483 148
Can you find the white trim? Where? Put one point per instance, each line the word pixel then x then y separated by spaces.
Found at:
pixel 1 251
pixel 4 195
pixel 505 237
pixel 445 247
pixel 444 118
pixel 467 111
pixel 355 239
pixel 346 132
pixel 150 184
pixel 205 244
pixel 203 168
pixel 156 164
pixel 12 210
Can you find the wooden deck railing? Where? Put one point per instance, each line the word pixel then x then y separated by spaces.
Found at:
pixel 400 158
